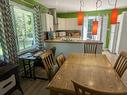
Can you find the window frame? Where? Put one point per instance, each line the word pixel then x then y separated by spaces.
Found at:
pixel 94 37
pixel 24 8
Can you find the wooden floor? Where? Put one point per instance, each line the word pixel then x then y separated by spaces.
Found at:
pixel 38 87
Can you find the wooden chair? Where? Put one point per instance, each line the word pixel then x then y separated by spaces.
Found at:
pixel 49 64
pixel 121 64
pixel 85 90
pixel 60 59
pixel 53 49
pixel 90 47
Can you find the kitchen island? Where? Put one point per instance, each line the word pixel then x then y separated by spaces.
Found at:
pixel 68 46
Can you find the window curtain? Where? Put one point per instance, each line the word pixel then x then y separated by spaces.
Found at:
pixel 38 27
pixel 7 33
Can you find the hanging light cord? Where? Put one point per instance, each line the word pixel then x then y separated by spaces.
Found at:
pixel 81 4
pixel 109 2
pixel 115 3
pixel 98 4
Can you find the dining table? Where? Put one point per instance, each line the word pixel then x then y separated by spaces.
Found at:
pixel 92 70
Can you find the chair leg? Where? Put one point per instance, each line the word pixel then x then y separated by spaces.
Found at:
pixel 20 89
pixel 34 76
pixel 30 69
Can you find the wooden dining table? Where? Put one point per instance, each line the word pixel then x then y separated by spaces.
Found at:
pixel 94 71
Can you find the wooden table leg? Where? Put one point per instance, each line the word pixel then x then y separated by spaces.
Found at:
pixel 52 92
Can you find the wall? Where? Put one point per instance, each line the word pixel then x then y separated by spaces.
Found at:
pixel 30 4
pixel 93 13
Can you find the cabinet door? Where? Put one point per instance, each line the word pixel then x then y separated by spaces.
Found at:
pixel 61 24
pixel 47 22
pixel 68 24
pixel 71 24
pixel 49 19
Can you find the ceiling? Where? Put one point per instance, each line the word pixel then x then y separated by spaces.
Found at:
pixel 74 5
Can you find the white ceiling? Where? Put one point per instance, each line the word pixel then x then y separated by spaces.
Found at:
pixel 74 5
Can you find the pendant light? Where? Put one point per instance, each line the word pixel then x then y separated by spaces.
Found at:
pixel 114 14
pixel 95 23
pixel 95 27
pixel 81 13
pixel 80 18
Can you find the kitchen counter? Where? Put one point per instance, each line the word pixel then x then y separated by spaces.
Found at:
pixel 72 40
pixel 66 46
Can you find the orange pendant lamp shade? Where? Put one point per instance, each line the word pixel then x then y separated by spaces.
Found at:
pixel 80 18
pixel 95 27
pixel 114 16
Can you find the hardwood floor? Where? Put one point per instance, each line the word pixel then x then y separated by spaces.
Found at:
pixel 33 87
pixel 38 87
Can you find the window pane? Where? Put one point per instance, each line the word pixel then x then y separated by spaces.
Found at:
pixel 24 28
pixel 89 33
pixel 29 31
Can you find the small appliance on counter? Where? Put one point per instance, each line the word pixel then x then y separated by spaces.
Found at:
pixel 49 35
pixel 45 35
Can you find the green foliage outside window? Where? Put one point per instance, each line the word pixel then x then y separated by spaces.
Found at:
pixel 89 33
pixel 24 28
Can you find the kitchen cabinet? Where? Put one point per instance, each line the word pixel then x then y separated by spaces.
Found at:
pixel 68 24
pixel 61 24
pixel 47 22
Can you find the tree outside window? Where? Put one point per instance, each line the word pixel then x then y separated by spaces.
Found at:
pixel 24 28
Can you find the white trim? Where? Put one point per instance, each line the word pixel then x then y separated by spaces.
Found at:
pixel 21 6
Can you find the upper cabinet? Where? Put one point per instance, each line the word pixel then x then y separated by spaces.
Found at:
pixel 61 24
pixel 68 24
pixel 47 22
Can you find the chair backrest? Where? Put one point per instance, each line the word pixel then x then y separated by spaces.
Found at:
pixel 60 59
pixel 85 90
pixel 121 63
pixel 53 49
pixel 90 47
pixel 48 60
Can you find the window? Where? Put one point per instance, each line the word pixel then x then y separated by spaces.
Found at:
pixel 24 27
pixel 89 32
pixel 87 28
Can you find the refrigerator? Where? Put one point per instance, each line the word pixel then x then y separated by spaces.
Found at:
pixel 122 34
pixel 118 35
pixel 113 37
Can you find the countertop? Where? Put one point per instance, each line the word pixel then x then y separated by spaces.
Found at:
pixel 71 40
